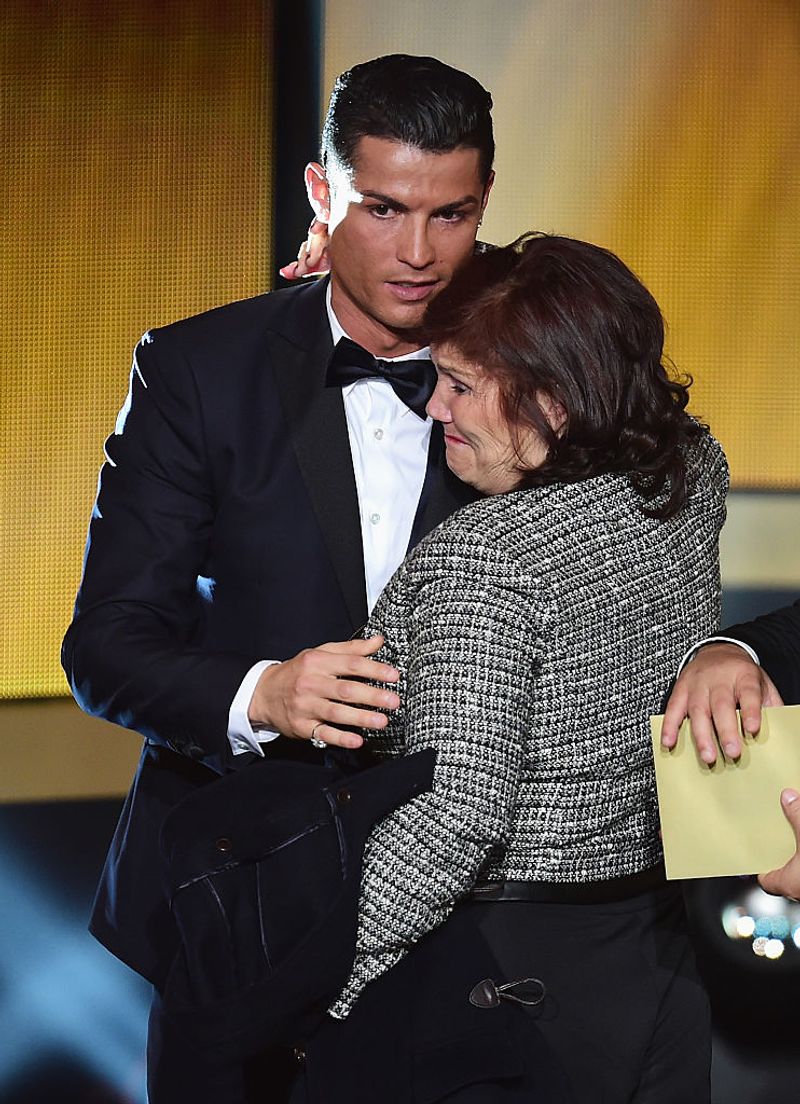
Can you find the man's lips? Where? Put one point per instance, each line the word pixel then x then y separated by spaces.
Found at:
pixel 411 292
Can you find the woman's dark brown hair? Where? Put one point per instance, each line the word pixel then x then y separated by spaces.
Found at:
pixel 559 317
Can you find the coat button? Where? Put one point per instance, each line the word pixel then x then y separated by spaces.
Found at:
pixel 224 845
pixel 299 1054
pixel 343 796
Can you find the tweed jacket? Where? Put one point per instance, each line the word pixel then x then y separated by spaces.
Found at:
pixel 535 633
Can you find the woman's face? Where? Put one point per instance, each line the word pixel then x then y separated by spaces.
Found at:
pixel 481 448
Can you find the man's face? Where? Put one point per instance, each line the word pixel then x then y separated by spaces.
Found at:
pixel 400 226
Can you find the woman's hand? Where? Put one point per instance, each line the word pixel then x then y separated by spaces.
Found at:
pixel 312 256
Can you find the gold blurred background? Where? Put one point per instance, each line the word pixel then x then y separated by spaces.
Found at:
pixel 137 189
pixel 138 141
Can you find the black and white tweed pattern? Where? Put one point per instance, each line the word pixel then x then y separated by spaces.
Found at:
pixel 535 633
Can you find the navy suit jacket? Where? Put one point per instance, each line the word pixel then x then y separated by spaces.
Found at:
pixel 226 530
pixel 776 639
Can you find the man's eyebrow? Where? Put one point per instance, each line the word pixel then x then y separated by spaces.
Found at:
pixel 464 201
pixel 389 201
pixel 396 205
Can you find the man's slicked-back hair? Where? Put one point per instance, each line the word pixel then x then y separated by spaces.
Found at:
pixel 418 101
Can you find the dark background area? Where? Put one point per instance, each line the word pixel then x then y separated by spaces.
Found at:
pixel 73 1019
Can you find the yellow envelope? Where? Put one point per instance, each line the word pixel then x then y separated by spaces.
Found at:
pixel 727 819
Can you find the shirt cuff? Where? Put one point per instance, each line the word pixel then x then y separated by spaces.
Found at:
pixel 241 735
pixel 717 640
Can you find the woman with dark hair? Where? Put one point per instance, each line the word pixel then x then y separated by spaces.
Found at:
pixel 535 631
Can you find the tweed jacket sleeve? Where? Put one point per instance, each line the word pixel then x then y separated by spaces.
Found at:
pixel 464 620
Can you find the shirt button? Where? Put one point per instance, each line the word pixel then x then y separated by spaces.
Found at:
pixel 378 434
pixel 374 518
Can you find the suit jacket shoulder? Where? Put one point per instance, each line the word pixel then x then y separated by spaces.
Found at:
pixel 295 315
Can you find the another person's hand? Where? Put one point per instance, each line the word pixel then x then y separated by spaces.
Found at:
pixel 309 694
pixel 719 679
pixel 312 256
pixel 786 881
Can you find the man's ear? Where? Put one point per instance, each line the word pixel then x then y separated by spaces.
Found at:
pixel 318 191
pixel 486 190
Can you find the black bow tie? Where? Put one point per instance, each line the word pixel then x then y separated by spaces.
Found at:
pixel 412 381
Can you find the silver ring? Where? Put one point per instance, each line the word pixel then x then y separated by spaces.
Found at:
pixel 313 739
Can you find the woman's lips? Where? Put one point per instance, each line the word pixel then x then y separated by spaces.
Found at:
pixel 412 293
pixel 451 439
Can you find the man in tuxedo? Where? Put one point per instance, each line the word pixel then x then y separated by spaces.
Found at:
pixel 260 490
pixel 748 666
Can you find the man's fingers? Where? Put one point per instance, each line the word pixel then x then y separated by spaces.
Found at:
pixel 358 646
pixel 682 704
pixel 703 734
pixel 315 683
pixel 786 881
pixel 723 720
pixel 316 247
pixel 362 694
pixel 312 254
pixel 334 737
pixel 351 716
pixel 771 882
pixel 790 800
pixel 772 696
pixel 352 660
pixel 673 717
pixel 750 693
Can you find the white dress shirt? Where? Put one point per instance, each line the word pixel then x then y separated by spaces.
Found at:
pixel 389 447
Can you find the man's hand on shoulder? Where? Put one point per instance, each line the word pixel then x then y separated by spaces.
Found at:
pixel 322 687
pixel 786 881
pixel 717 681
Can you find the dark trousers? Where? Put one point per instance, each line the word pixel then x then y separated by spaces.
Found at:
pixel 625 1020
pixel 625 1010
pixel 415 1037
pixel 176 1072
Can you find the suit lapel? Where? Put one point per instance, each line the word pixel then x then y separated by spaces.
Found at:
pixel 300 349
pixel 441 494
pixel 318 428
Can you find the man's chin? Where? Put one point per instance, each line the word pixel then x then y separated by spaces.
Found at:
pixel 406 322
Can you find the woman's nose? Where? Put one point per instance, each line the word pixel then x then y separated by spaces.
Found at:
pixel 437 408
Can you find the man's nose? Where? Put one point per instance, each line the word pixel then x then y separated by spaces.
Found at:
pixel 415 247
